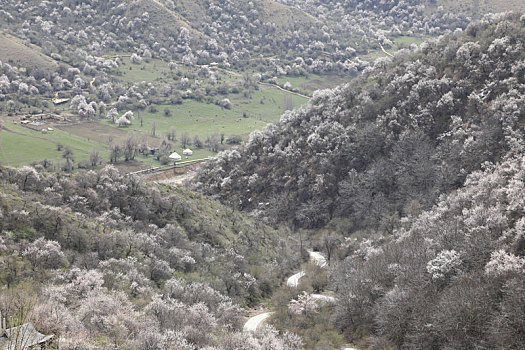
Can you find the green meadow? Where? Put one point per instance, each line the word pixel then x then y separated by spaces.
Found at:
pixel 21 146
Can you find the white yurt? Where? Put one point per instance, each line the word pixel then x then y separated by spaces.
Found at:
pixel 187 152
pixel 175 157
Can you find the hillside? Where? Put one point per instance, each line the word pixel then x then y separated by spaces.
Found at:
pixel 15 52
pixel 410 181
pixel 201 74
pixel 98 258
pixel 450 278
pixel 361 155
pixel 268 11
pixel 385 211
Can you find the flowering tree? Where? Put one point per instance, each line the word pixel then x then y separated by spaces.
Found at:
pixel 303 305
pixel 44 253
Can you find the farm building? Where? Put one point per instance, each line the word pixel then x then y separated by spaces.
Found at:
pixel 59 101
pixel 175 157
pixel 25 337
pixel 187 152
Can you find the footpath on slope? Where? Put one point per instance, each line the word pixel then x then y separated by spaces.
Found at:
pixel 318 259
pixel 293 281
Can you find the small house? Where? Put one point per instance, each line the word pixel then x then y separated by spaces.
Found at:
pixel 25 337
pixel 60 101
pixel 187 152
pixel 175 157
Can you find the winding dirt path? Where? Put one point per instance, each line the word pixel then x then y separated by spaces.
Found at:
pixel 293 281
pixel 288 91
pixel 255 322
pixel 383 49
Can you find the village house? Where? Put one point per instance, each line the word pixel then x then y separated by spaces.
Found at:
pixel 25 336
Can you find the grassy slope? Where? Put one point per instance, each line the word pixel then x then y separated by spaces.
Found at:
pixel 13 50
pixel 21 146
pixel 197 118
pixel 285 17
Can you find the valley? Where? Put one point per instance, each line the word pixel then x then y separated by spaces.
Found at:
pixel 274 174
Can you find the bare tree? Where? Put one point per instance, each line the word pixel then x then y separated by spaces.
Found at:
pixel 94 157
pixel 130 147
pixel 154 129
pixel 114 152
pixel 331 242
pixel 172 134
pixel 197 141
pixel 184 139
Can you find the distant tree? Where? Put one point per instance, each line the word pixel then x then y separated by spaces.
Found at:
pixel 330 243
pixel 147 54
pixel 164 151
pixel 68 154
pixel 213 142
pixel 304 305
pixel 102 107
pixel 154 129
pixel 123 121
pixel 94 158
pixel 130 148
pixel 184 139
pixel 114 152
pixel 225 103
pixel 11 105
pixel 136 59
pixel 129 115
pixel 28 178
pixel 172 134
pixel 112 114
pixel 197 141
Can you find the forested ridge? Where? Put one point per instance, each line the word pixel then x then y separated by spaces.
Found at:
pixel 391 141
pixel 450 278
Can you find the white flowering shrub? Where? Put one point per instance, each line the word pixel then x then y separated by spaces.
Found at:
pixel 502 262
pixel 446 263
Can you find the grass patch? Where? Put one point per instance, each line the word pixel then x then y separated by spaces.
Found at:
pixel 195 118
pixel 23 146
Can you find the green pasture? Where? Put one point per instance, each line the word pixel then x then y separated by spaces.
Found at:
pixel 21 146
